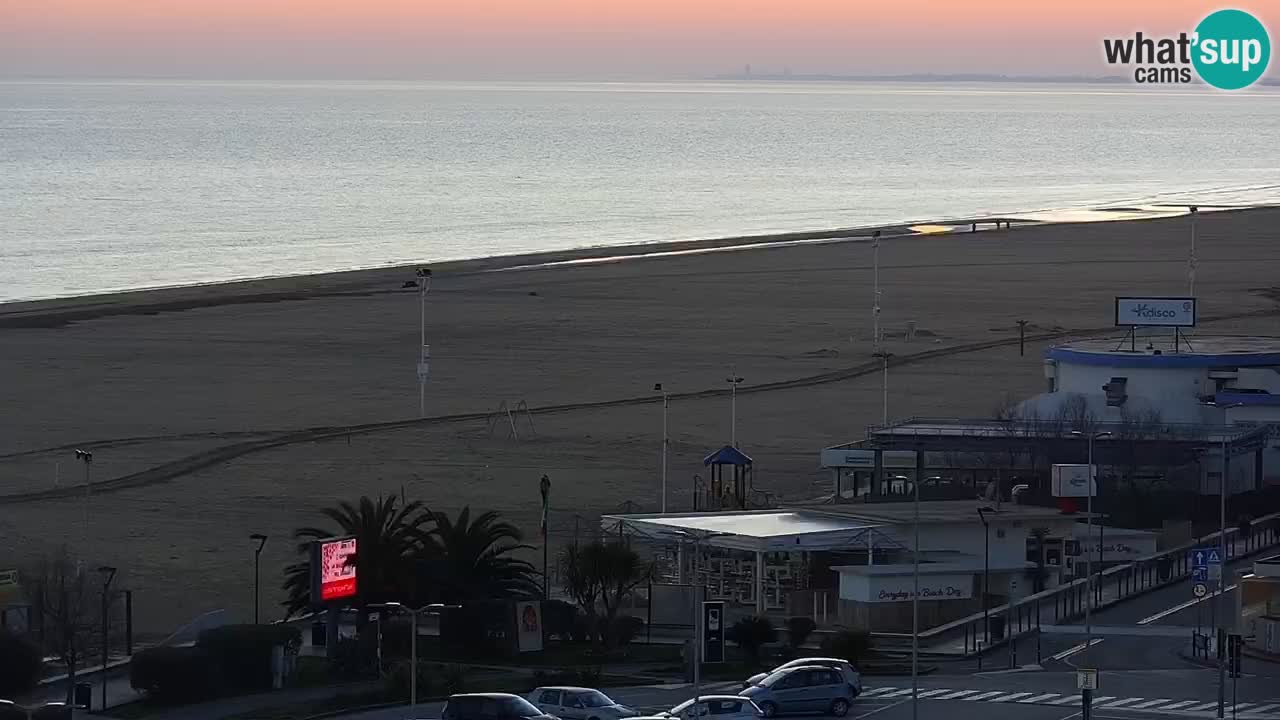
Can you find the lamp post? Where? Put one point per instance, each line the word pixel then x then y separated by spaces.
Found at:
pixel 697 538
pixel 1222 552
pixel 666 403
pixel 108 574
pixel 884 356
pixel 875 284
pixel 257 553
pixel 1087 695
pixel 424 284
pixel 1191 259
pixel 86 457
pixel 734 380
pixel 432 609
pixel 986 578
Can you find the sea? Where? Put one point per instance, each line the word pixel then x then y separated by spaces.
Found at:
pixel 109 185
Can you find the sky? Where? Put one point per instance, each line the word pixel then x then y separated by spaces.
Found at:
pixel 584 39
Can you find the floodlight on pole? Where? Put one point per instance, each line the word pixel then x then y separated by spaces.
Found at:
pixel 1222 549
pixel 86 457
pixel 734 380
pixel 257 554
pixel 424 351
pixel 432 609
pixel 666 404
pixel 884 356
pixel 875 284
pixel 108 574
pixel 986 578
pixel 1092 490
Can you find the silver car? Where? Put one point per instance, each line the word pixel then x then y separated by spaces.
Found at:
pixel 714 707
pixel 851 674
pixel 578 703
pixel 804 689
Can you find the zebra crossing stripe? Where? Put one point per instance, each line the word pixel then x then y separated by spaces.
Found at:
pixel 983 696
pixel 956 695
pixel 1175 706
pixel 1201 706
pixel 1104 698
pixel 1011 696
pixel 1264 708
pixel 872 692
pixel 929 693
pixel 897 693
pixel 1149 703
pixel 1125 701
pixel 1067 700
pixel 1039 698
pixel 1243 705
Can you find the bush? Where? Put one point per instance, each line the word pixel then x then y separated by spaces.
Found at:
pixel 560 619
pixel 397 680
pixel 242 653
pixel 625 629
pixel 751 634
pixel 454 679
pixel 851 645
pixel 20 664
pixel 174 674
pixel 798 631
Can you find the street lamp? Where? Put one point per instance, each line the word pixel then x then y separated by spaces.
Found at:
pixel 1191 259
pixel 424 284
pixel 697 538
pixel 986 578
pixel 734 380
pixel 108 574
pixel 257 553
pixel 86 457
pixel 432 609
pixel 875 284
pixel 1086 695
pixel 1222 552
pixel 666 403
pixel 884 356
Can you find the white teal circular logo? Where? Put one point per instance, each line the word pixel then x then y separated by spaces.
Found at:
pixel 1232 49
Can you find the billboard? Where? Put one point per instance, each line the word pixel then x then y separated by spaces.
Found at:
pixel 529 626
pixel 1071 481
pixel 713 631
pixel 333 574
pixel 1156 311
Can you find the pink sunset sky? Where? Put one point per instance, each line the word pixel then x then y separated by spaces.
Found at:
pixel 514 39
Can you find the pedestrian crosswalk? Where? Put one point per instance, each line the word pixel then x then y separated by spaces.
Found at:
pixel 1172 706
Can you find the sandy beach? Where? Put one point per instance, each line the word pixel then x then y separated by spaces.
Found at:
pixel 262 401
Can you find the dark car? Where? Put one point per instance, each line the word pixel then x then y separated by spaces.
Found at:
pixel 491 706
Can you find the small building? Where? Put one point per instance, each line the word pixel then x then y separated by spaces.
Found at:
pixel 1258 606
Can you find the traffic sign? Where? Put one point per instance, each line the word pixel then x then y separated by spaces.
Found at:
pixel 1200 574
pixel 1087 679
pixel 1215 572
pixel 1235 646
pixel 1199 590
pixel 1214 557
pixel 1200 556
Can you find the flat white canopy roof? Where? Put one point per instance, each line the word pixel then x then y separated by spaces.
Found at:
pixel 770 530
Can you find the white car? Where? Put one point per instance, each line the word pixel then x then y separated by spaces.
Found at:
pixel 846 669
pixel 714 707
pixel 577 703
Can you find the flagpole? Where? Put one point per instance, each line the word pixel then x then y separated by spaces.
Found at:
pixel 545 487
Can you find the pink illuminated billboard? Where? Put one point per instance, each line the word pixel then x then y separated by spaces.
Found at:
pixel 333 570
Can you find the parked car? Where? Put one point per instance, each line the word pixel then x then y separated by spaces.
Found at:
pixel 851 674
pixel 804 689
pixel 714 707
pixel 577 703
pixel 491 706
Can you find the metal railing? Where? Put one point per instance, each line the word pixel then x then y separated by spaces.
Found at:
pixel 972 634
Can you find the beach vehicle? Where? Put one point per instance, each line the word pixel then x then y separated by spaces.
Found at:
pixel 491 706
pixel 719 707
pixel 579 703
pixel 851 674
pixel 804 689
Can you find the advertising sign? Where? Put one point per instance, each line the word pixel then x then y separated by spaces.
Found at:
pixel 1155 311
pixel 529 626
pixel 333 574
pixel 936 587
pixel 1070 480
pixel 1116 545
pixel 713 631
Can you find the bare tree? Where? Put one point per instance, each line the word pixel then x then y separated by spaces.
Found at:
pixel 68 604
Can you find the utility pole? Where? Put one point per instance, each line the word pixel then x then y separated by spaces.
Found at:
pixel 424 352
pixel 875 283
pixel 1191 259
pixel 1022 337
pixel 884 356
pixel 734 380
pixel 666 404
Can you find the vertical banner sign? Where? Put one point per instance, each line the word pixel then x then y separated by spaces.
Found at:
pixel 529 626
pixel 713 631
pixel 333 570
pixel 1235 649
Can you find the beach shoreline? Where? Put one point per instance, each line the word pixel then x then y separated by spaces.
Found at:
pixel 52 312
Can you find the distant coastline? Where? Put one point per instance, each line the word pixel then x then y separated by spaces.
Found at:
pixel 944 78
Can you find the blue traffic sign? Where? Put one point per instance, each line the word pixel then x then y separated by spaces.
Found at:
pixel 1205 556
pixel 1200 574
pixel 1214 557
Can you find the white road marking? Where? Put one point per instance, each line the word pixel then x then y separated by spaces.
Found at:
pixel 897 693
pixel 1073 650
pixel 985 695
pixel 1265 708
pixel 1243 705
pixel 957 694
pixel 1039 698
pixel 1201 707
pixel 1148 703
pixel 1066 700
pixel 1125 701
pixel 872 692
pixel 1184 606
pixel 928 693
pixel 1007 698
pixel 1175 706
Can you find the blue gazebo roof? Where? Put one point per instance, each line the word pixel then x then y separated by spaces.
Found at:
pixel 727 455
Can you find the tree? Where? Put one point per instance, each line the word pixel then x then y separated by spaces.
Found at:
pixel 68 603
pixel 798 631
pixel 469 559
pixel 20 664
pixel 599 576
pixel 389 539
pixel 751 634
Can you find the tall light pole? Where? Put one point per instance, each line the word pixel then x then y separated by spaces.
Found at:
pixel 424 352
pixel 884 356
pixel 1222 554
pixel 915 593
pixel 257 554
pixel 108 574
pixel 666 404
pixel 734 380
pixel 875 284
pixel 1086 695
pixel 86 457
pixel 1191 259
pixel 433 608
pixel 697 538
pixel 986 578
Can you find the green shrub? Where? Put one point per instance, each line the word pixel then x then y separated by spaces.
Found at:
pixel 851 645
pixel 798 631
pixel 174 674
pixel 625 629
pixel 20 664
pixel 560 618
pixel 397 680
pixel 242 653
pixel 751 634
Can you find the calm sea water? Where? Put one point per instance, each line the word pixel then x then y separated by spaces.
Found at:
pixel 113 185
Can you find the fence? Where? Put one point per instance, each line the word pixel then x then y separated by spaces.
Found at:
pixel 972 634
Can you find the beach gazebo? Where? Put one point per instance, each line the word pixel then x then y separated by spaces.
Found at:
pixel 719 494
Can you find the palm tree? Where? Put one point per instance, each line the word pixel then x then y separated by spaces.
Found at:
pixel 389 538
pixel 470 559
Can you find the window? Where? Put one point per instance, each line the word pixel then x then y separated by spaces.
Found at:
pixel 724 707
pixel 823 677
pixel 549 697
